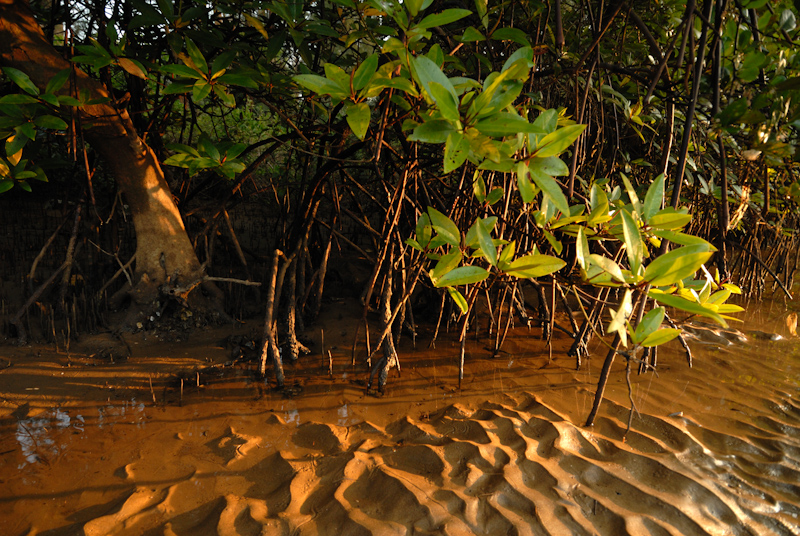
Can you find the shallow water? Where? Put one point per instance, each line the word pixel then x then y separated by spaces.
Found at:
pixel 100 448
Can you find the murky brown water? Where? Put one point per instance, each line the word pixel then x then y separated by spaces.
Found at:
pixel 715 449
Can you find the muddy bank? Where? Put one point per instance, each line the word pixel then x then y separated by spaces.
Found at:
pixel 88 447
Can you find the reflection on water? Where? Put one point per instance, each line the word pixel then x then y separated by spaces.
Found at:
pixel 36 439
pixel 48 435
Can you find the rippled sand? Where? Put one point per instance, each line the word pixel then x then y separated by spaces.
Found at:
pixel 714 449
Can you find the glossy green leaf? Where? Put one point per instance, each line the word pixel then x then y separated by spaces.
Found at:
pixel 637 205
pixel 424 230
pixel 676 265
pixel 459 299
pixel 557 142
pixel 196 56
pixel 550 187
pixel 445 17
pixel 472 35
pixel 526 188
pixel 495 195
pixel 320 84
pixel 51 122
pixel 427 71
pixel 365 72
pixel 608 266
pixel 662 336
pixel 669 219
pixel 654 198
pixel 479 187
pixel 445 101
pixel 358 116
pixel 58 80
pixel 511 34
pixel 649 324
pixel 633 241
pixel 505 124
pixel 535 265
pixel 445 227
pixel 485 242
pixel 18 98
pixel 685 305
pixel 22 80
pixel 432 131
pixel 463 275
pixel 456 150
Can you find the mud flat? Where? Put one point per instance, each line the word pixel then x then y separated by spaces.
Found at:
pixel 714 450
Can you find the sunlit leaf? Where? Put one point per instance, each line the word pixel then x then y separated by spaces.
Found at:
pixel 445 227
pixel 535 265
pixel 557 142
pixel 676 265
pixel 463 275
pixel 662 336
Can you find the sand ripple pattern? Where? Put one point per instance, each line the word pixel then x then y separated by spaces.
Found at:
pixel 518 468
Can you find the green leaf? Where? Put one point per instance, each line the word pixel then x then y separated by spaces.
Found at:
pixel 479 187
pixel 171 89
pixel 506 255
pixel 653 198
pixel 196 56
pixel 365 72
pixel 526 188
pixel 660 337
pixel 445 17
pixel 424 230
pixel 547 121
pixel 485 242
pixel 685 305
pixel 222 62
pixel 557 142
pixel 18 98
pixel 649 324
pixel 445 227
pixel 413 6
pixel 459 299
pixel 734 111
pixel 7 184
pixel 241 80
pixel 637 206
pixel 472 35
pixel 633 241
pixel 505 124
pixel 358 116
pixel 321 85
pixel 182 70
pixel 432 131
pixel 608 266
pixel 463 275
pixel 22 80
pixel 669 218
pixel 535 265
pixel 200 90
pixel 511 34
pixel 495 195
pixel 51 122
pixel 676 265
pixel 447 104
pixel 550 165
pixel 456 150
pixel 581 248
pixel 58 80
pixel 550 187
pixel 427 71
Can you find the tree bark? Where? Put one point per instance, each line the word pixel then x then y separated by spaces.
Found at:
pixel 164 253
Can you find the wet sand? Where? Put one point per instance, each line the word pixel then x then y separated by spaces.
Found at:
pixel 85 449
